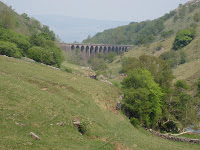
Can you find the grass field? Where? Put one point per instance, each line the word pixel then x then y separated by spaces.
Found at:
pixel 33 98
pixel 191 136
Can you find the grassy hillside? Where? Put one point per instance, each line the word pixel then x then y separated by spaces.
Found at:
pixel 185 18
pixel 34 97
pixel 22 23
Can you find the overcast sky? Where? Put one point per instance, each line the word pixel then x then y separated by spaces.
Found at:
pixel 120 10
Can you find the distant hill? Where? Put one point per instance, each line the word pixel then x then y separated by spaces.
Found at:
pixel 184 17
pixel 137 33
pixel 72 29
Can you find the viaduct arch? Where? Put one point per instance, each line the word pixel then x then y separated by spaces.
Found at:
pixel 93 49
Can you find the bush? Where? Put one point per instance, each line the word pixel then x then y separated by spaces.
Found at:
pixel 183 38
pixel 134 121
pixel 40 54
pixel 51 53
pixel 69 70
pixel 182 85
pixel 9 49
pixel 20 40
pixel 97 63
pixel 196 17
pixel 166 34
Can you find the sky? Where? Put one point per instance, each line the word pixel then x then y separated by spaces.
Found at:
pixel 115 10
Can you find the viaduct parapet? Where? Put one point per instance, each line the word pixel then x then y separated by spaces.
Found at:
pixel 94 49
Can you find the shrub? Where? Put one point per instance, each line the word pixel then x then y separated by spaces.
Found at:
pixel 36 53
pixel 196 17
pixel 9 49
pixel 166 34
pixel 20 40
pixel 134 121
pixel 97 63
pixel 172 57
pixel 69 70
pixel 183 38
pixel 182 85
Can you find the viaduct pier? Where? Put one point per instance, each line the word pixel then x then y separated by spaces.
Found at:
pixel 94 49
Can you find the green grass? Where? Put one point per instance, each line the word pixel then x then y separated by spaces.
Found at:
pixel 191 135
pixel 40 97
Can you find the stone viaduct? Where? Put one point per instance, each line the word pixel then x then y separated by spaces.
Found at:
pixel 93 49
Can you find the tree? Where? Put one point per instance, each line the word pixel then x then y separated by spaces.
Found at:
pixel 110 56
pixel 121 54
pixel 182 105
pixel 51 34
pixel 20 40
pixel 142 97
pixel 9 49
pixel 7 20
pixel 196 17
pixel 183 38
pixel 166 34
pixel 173 58
pixel 159 68
pixel 175 18
pixel 97 64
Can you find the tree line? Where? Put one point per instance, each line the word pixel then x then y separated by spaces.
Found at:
pixel 152 100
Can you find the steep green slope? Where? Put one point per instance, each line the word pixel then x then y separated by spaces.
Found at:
pixel 182 19
pixel 23 24
pixel 34 98
pixel 146 32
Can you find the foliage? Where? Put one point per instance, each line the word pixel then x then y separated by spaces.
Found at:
pixel 182 105
pixel 20 40
pixel 142 97
pixel 166 34
pixel 69 70
pixel 45 36
pixel 7 20
pixel 46 55
pixel 134 121
pixel 181 84
pixel 159 47
pixel 110 56
pixel 40 54
pixel 97 63
pixel 182 11
pixel 9 49
pixel 75 57
pixel 175 18
pixel 134 33
pixel 174 58
pixel 159 68
pixel 50 33
pixel 183 38
pixel 25 16
pixel 48 48
pixel 196 17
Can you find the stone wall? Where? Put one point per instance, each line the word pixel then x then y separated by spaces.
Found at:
pixel 173 138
